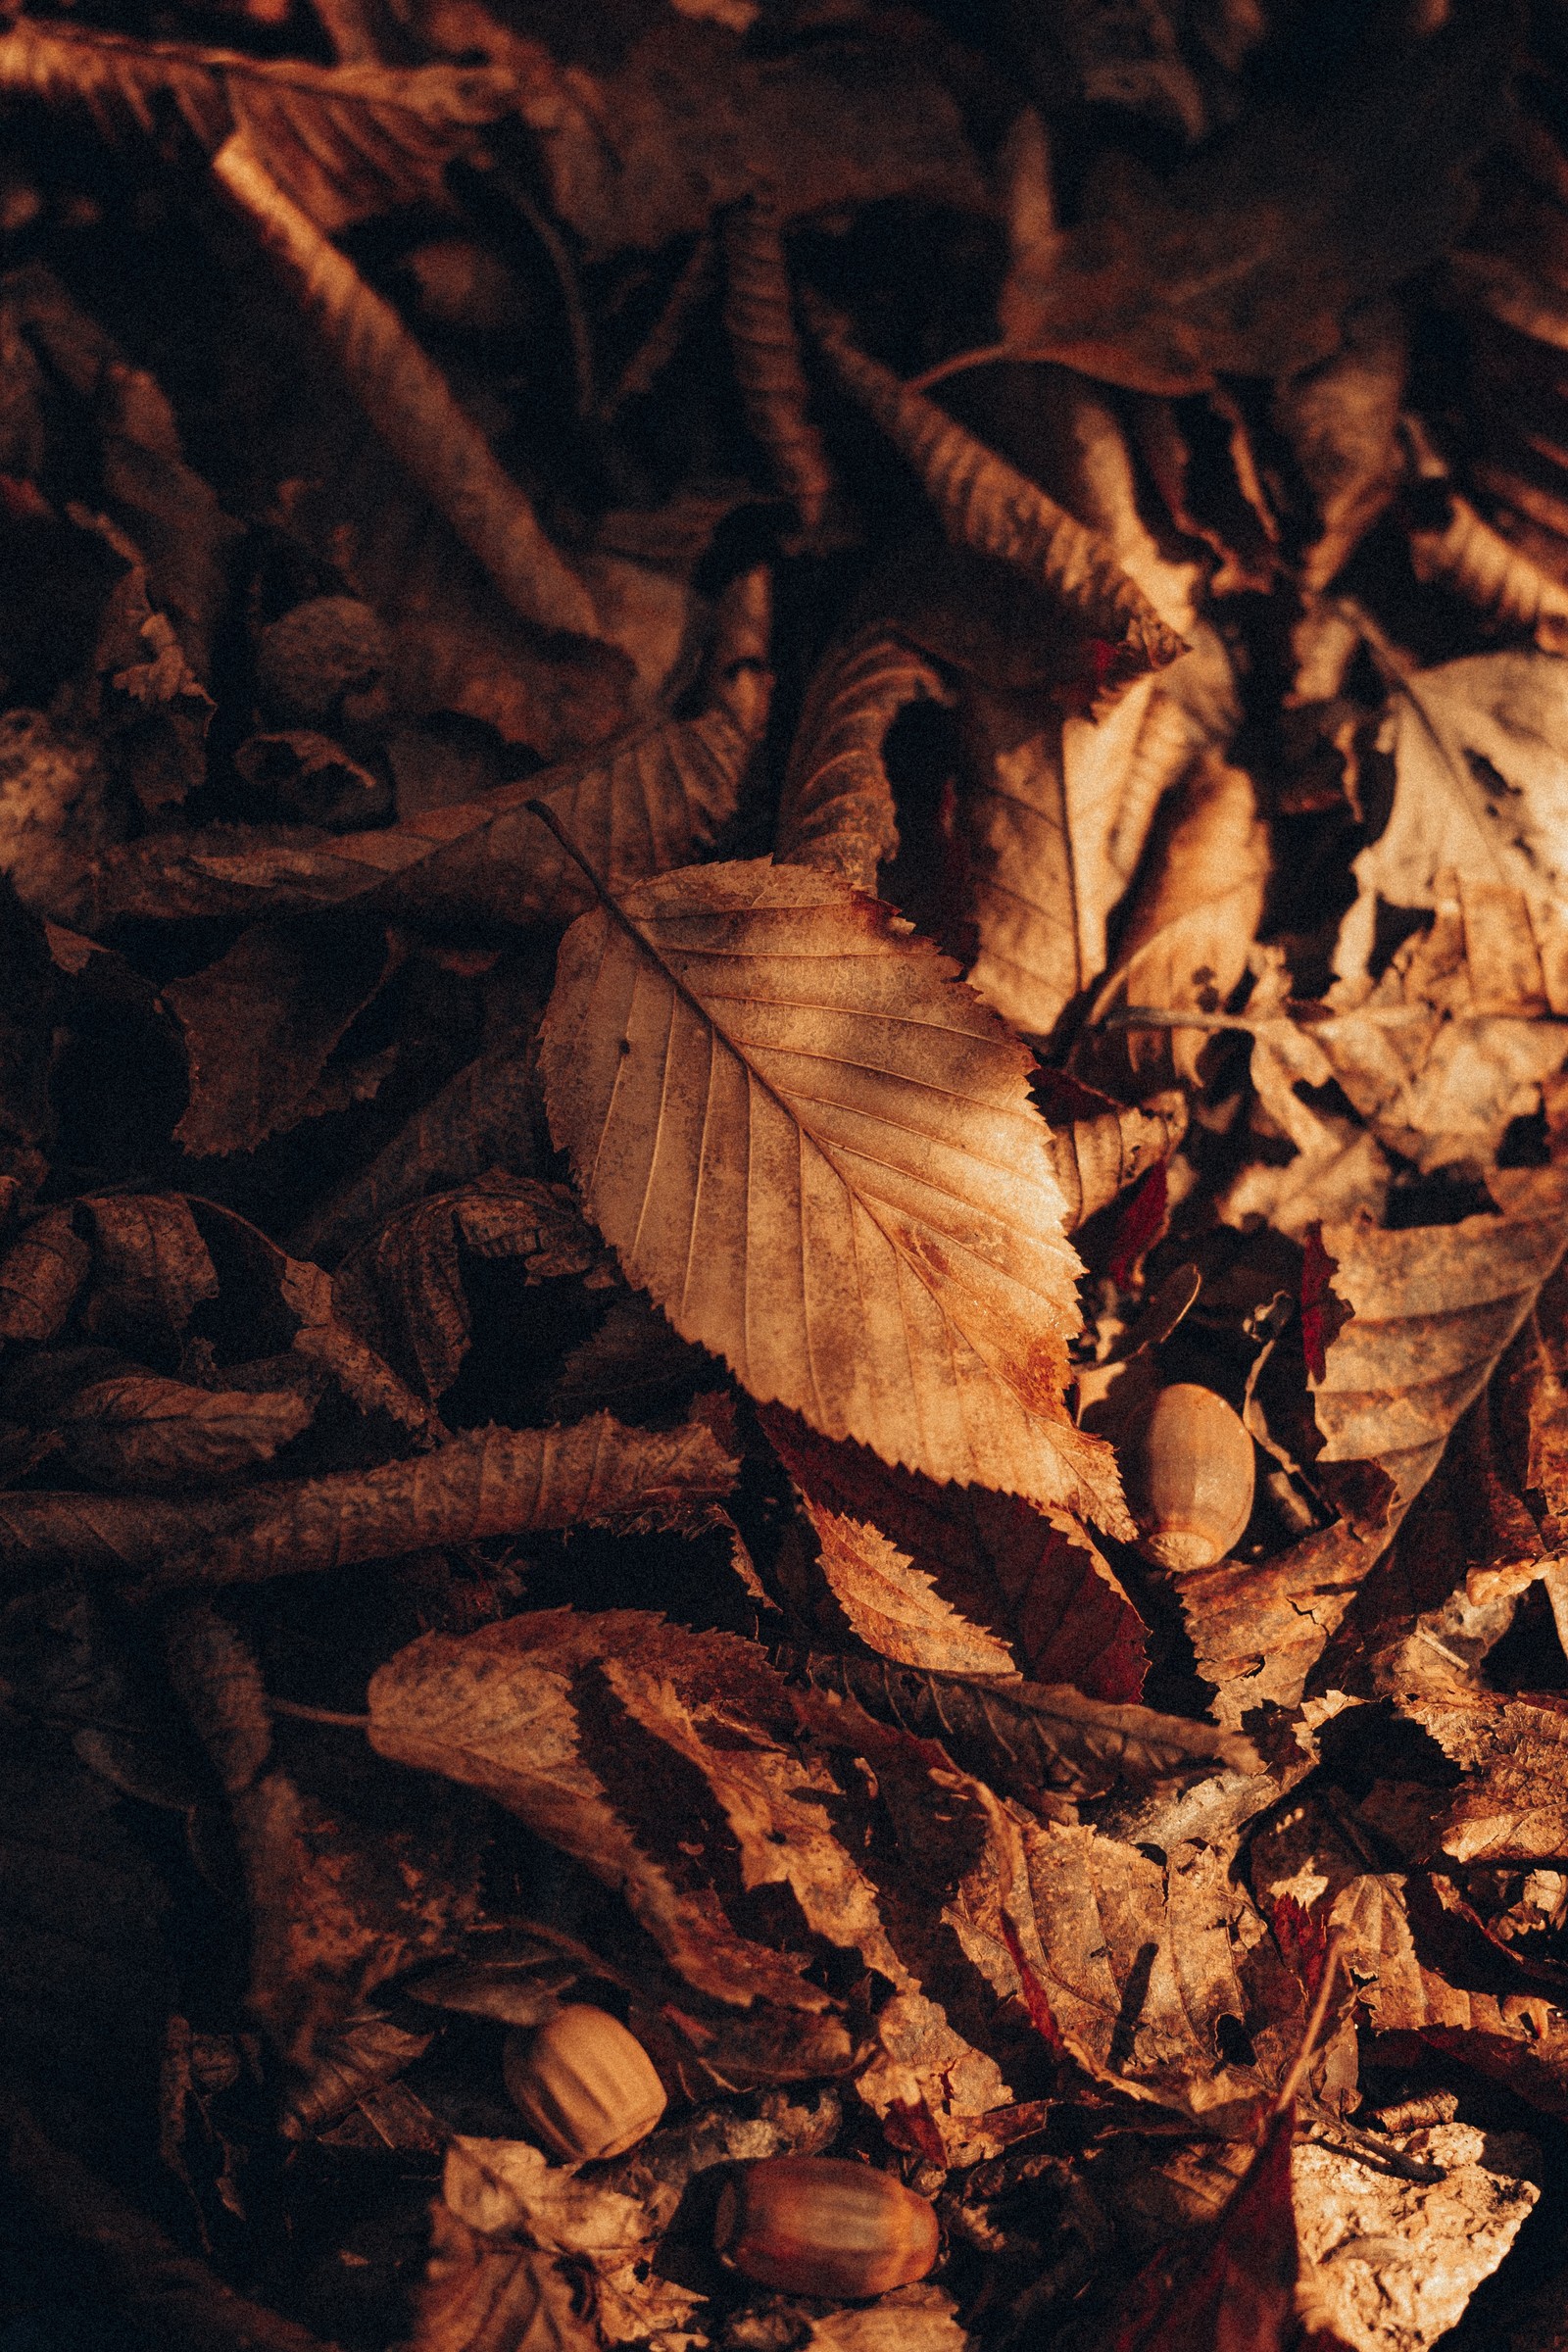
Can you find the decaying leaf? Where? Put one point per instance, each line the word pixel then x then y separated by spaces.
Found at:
pixel 987 505
pixel 837 810
pixel 1042 1592
pixel 139 1431
pixel 754 1003
pixel 767 352
pixel 409 404
pixel 346 141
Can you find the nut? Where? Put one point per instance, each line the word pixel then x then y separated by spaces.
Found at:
pixel 821 2226
pixel 585 2086
pixel 1188 1466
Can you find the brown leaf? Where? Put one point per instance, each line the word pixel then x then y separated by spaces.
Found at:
pixel 1002 1565
pixel 700 121
pixel 1454 546
pixel 345 141
pixel 1191 925
pixel 408 402
pixel 1341 420
pixel 893 1606
pixel 987 505
pixel 404 1290
pixel 760 320
pixel 1058 811
pixel 1246 258
pixel 496 1481
pixel 1028 1740
pixel 262 1023
pixel 1100 1147
pixel 836 811
pixel 485 1117
pixel 137 1430
pixel 367 2050
pixel 761 1085
pixel 151 1268
pixel 1258 1630
pixel 650 800
pixel 480 2296
pixel 42 1272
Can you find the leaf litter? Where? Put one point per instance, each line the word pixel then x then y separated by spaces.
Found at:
pixel 753 758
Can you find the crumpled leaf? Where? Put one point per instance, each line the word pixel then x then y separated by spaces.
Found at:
pixel 510 2191
pixel 346 141
pixel 262 1023
pixel 987 505
pixel 836 811
pixel 1045 1592
pixel 138 1430
pixel 753 1001
pixel 496 1481
pixel 1454 546
pixel 1026 1739
pixel 403 1292
pixel 1388 2264
pixel 41 1271
pixel 651 800
pixel 151 1267
pixel 1190 926
pixel 1342 420
pixel 1246 258
pixel 410 402
pixel 759 318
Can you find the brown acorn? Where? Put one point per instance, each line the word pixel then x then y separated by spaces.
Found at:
pixel 1186 1462
pixel 819 2225
pixel 586 2086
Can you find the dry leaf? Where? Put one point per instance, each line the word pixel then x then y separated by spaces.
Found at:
pixel 345 141
pixel 42 1272
pixel 408 402
pixel 261 1025
pixel 836 811
pixel 894 1607
pixel 650 800
pixel 759 318
pixel 761 1085
pixel 987 505
pixel 137 1430
pixel 1245 261
pixel 1100 1147
pixel 1058 813
pixel 1191 927
pixel 151 1267
pixel 1341 420
pixel 1258 1631
pixel 404 1292
pixel 1006 1567
pixel 477 2296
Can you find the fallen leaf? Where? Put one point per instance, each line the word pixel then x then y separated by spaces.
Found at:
pixel 894 1607
pixel 346 141
pixel 836 811
pixel 1341 420
pixel 987 505
pixel 261 1025
pixel 404 1292
pixel 42 1272
pixel 408 402
pixel 137 1430
pixel 759 318
pixel 1006 1568
pixel 1190 926
pixel 476 2296
pixel 760 983
pixel 151 1268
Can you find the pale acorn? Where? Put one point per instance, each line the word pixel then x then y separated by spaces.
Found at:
pixel 584 2085
pixel 1186 1462
pixel 821 2226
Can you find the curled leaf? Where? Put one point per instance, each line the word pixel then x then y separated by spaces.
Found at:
pixel 987 505
pixel 820 1157
pixel 345 141
pixel 837 809
pixel 765 349
pixel 408 402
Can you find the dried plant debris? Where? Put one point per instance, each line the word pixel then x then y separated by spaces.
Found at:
pixel 778 783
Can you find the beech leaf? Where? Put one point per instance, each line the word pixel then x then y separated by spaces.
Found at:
pixel 759 318
pixel 346 141
pixel 836 811
pixel 988 504
pixel 894 1606
pixel 137 1430
pixel 820 1157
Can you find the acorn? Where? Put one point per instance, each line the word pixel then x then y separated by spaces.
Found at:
pixel 819 2225
pixel 1188 1466
pixel 586 2086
